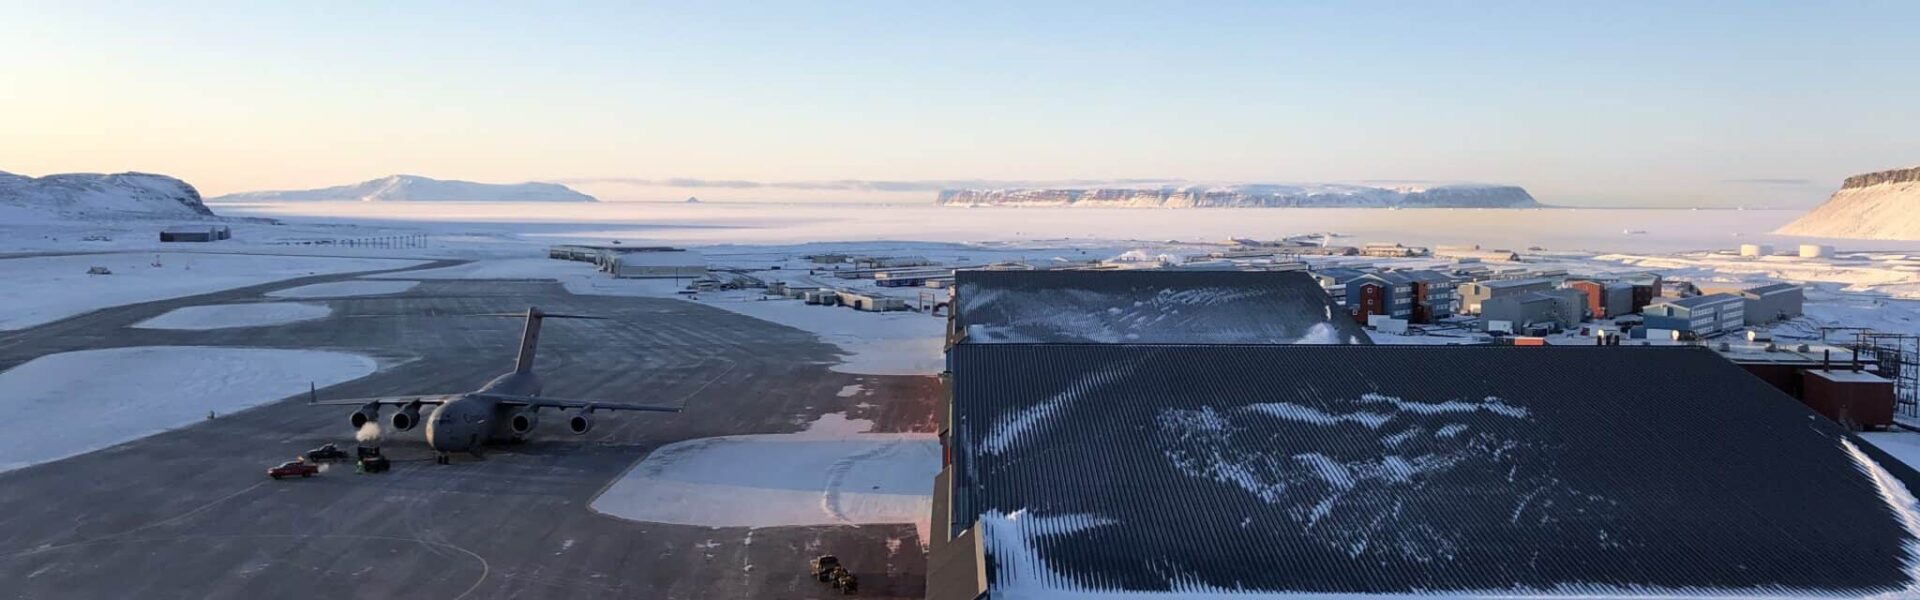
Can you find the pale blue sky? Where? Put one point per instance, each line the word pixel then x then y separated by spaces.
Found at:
pixel 1665 103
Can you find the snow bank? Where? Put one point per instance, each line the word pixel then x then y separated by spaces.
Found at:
pixel 224 316
pixel 345 289
pixel 830 474
pixel 64 405
pixel 49 288
pixel 1900 502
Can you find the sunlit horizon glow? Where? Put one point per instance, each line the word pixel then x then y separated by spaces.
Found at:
pixel 1665 104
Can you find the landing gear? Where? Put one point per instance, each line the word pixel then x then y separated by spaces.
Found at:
pixel 442 459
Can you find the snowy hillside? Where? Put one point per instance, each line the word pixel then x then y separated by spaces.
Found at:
pixel 1253 195
pixel 414 188
pixel 1878 206
pixel 94 195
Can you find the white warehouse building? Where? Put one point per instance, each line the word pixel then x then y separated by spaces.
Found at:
pixel 656 264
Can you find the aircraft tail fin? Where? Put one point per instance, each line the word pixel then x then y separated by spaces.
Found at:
pixel 530 338
pixel 529 342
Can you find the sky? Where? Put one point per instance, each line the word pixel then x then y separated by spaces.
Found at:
pixel 1593 104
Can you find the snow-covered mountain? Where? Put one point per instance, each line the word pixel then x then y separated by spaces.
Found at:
pixel 1876 206
pixel 414 188
pixel 1252 195
pixel 95 195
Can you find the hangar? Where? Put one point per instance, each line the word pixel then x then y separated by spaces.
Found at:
pixel 1147 306
pixel 1252 471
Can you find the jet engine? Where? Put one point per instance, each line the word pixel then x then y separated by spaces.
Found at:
pixel 580 424
pixel 370 413
pixel 407 418
pixel 524 421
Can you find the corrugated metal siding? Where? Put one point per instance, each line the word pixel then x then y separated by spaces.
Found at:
pixel 1146 307
pixel 1664 469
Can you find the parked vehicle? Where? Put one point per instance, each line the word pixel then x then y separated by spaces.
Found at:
pixel 371 461
pixel 822 567
pixel 325 453
pixel 293 468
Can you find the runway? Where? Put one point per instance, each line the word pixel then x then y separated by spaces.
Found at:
pixel 190 514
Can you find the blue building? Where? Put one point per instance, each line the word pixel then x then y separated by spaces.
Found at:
pixel 1702 316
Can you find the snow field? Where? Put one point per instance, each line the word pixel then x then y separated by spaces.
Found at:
pixel 67 404
pixel 43 289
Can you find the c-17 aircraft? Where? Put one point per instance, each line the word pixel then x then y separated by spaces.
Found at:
pixel 505 409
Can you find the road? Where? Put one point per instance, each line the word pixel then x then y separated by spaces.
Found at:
pixel 189 513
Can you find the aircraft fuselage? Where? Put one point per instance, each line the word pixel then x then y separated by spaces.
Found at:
pixel 468 421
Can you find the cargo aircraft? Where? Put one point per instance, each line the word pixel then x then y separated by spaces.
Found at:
pixel 506 409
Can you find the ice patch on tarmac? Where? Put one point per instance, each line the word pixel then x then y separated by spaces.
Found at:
pixel 831 474
pixel 345 289
pixel 225 316
pixel 67 404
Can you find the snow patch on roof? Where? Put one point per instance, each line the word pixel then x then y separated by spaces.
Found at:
pixel 1396 445
pixel 1009 430
pixel 1900 501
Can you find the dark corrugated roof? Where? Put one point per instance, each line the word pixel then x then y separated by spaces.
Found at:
pixel 1507 283
pixel 1392 469
pixel 1148 307
pixel 1392 277
pixel 1772 288
pixel 1426 276
pixel 1339 274
pixel 1698 301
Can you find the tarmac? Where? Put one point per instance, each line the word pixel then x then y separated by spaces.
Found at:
pixel 190 513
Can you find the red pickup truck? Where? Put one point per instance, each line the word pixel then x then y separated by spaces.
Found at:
pixel 293 467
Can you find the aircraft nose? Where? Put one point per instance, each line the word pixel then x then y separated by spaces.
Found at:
pixel 446 440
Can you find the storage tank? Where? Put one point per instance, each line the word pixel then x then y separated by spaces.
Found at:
pixel 1756 250
pixel 1816 251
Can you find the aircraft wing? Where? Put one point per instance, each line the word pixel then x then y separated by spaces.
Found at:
pixel 385 400
pixel 588 404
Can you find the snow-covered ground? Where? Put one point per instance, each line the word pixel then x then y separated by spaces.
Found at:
pixel 42 289
pixel 1598 230
pixel 71 403
pixel 892 343
pixel 831 474
pixel 223 316
pixel 345 289
pixel 1861 288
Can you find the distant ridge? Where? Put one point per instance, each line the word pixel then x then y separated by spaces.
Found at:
pixel 1883 205
pixel 414 188
pixel 95 194
pixel 1251 195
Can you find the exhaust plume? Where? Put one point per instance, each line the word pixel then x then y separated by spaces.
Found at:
pixel 369 433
